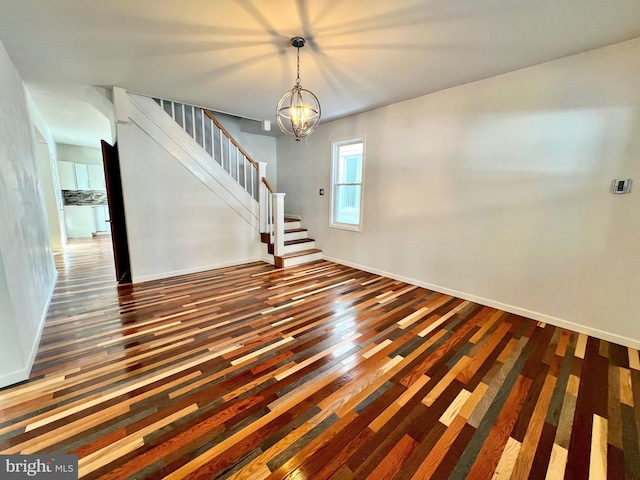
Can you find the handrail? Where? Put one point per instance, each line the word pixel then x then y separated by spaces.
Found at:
pixel 228 135
pixel 268 185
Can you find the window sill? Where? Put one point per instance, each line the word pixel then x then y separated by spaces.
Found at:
pixel 346 226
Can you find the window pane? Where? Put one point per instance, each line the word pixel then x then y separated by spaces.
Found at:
pixel 350 163
pixel 348 204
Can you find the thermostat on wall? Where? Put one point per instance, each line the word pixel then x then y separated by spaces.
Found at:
pixel 621 186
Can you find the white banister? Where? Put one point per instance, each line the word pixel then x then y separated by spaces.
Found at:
pixel 263 196
pixel 229 154
pixel 278 217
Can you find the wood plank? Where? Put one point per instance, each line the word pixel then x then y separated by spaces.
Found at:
pixel 598 459
pixel 493 447
pixel 634 358
pixel 507 460
pixel 454 409
pixel 440 449
pixel 390 465
pixel 526 455
pixel 557 463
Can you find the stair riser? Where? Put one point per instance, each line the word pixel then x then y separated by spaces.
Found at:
pixel 292 225
pixel 298 247
pixel 295 235
pixel 312 257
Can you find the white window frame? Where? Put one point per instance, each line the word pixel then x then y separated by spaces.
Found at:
pixel 334 172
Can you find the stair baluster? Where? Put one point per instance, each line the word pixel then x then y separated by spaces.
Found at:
pixel 208 132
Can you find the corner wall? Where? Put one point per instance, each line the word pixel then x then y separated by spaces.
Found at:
pixel 497 191
pixel 27 273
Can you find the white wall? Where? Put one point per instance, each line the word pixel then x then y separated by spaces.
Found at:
pixel 51 193
pixel 26 268
pixel 78 154
pixel 48 167
pixel 497 191
pixel 175 224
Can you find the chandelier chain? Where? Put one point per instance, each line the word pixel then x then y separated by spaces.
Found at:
pixel 298 71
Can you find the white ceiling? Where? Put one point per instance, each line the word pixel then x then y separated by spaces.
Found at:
pixel 235 56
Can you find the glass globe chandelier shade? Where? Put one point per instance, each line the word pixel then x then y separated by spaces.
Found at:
pixel 298 111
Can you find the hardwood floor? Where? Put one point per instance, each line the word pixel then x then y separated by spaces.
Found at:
pixel 315 372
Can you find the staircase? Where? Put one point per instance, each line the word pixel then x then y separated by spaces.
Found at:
pixel 284 242
pixel 298 247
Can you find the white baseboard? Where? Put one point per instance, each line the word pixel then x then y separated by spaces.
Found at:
pixel 36 344
pixel 558 322
pixel 23 374
pixel 14 377
pixel 187 271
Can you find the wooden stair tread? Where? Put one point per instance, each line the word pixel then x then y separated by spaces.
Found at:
pixel 298 240
pixel 289 220
pixel 293 230
pixel 287 243
pixel 300 253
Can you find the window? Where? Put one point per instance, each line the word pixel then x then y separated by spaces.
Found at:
pixel 346 184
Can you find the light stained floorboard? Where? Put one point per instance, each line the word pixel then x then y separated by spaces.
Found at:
pixel 314 372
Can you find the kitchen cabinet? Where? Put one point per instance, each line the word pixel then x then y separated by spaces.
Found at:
pixel 79 220
pixel 96 177
pixel 84 221
pixel 66 176
pixel 79 176
pixel 82 176
pixel 101 218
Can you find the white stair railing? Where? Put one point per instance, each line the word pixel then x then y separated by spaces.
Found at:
pixel 207 131
pixel 273 204
pixel 278 224
pixel 266 209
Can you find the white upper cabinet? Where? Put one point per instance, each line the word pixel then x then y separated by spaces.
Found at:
pixel 96 178
pixel 66 176
pixel 82 176
pixel 79 176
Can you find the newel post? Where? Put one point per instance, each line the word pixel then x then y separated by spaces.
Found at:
pixel 278 216
pixel 262 196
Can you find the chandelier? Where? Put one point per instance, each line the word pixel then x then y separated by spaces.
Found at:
pixel 298 111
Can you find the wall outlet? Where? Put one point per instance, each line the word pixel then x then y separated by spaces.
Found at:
pixel 322 191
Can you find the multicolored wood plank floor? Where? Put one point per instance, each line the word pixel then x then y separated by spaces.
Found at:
pixel 314 372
